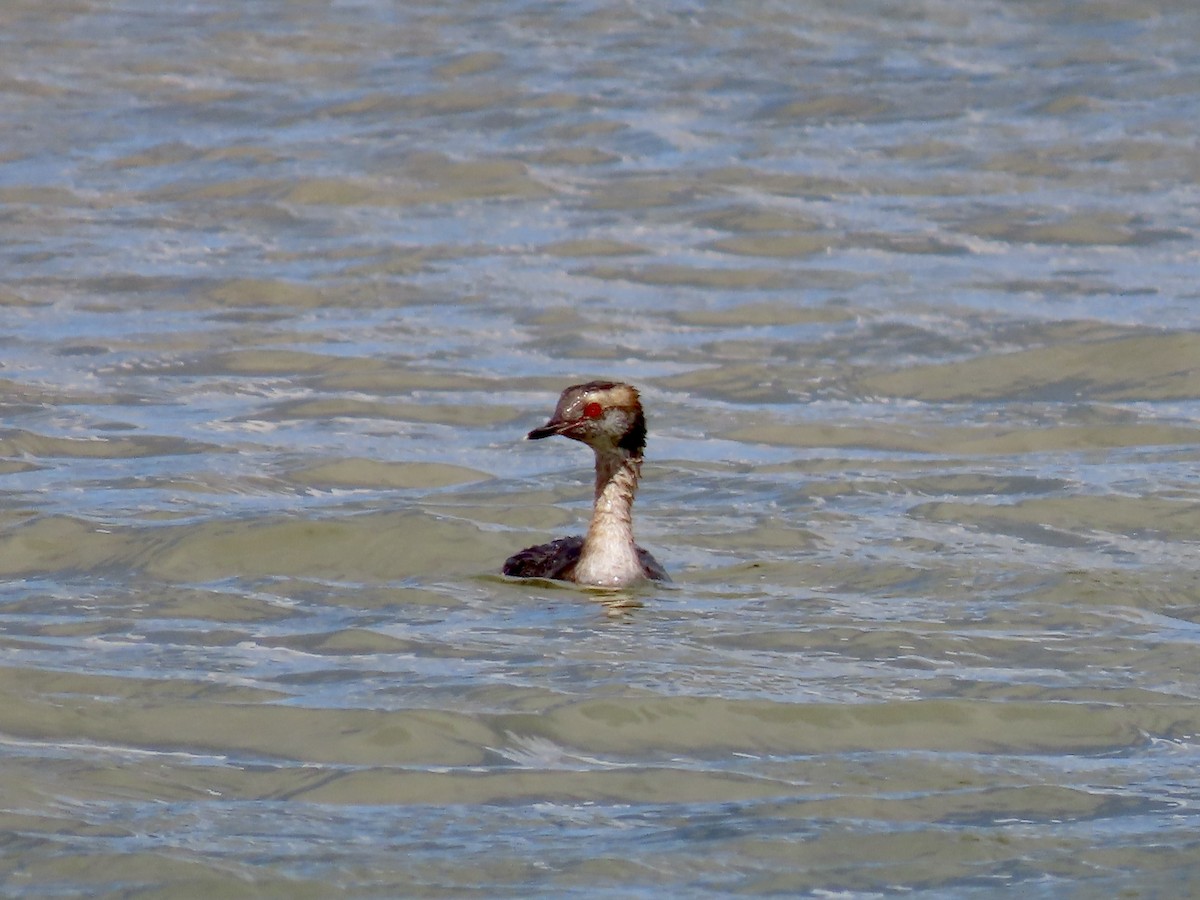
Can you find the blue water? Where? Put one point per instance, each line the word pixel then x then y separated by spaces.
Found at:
pixel 909 293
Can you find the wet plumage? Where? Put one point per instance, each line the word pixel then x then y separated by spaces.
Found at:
pixel 608 417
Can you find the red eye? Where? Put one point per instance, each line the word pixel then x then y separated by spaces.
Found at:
pixel 593 410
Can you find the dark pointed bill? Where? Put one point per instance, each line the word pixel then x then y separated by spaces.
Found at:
pixel 548 430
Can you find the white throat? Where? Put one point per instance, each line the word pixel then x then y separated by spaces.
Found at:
pixel 609 557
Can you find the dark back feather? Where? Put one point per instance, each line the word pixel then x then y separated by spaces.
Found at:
pixel 553 560
pixel 556 560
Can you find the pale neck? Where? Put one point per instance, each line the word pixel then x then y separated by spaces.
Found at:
pixel 617 467
pixel 609 553
pixel 617 474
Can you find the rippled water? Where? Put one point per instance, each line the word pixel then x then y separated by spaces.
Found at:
pixel 910 292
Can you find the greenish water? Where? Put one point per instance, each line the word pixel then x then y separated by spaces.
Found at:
pixel 909 292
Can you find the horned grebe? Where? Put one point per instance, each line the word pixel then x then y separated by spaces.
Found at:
pixel 608 418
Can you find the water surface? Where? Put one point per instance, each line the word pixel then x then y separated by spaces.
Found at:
pixel 909 291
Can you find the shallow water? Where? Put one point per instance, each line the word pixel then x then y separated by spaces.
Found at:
pixel 909 290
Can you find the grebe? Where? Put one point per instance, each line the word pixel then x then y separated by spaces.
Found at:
pixel 607 416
